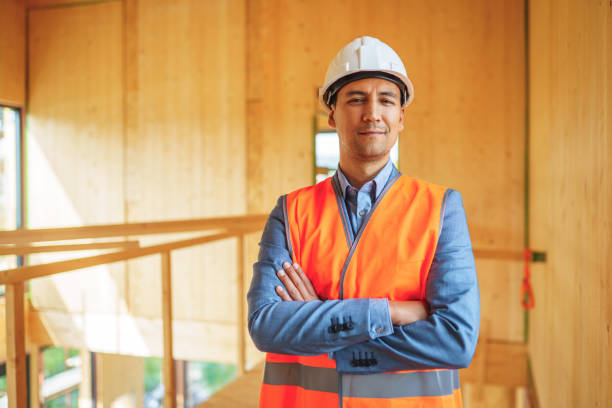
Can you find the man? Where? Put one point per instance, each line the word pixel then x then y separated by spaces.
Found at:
pixel 365 291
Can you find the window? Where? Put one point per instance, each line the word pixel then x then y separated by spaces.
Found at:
pixel 10 178
pixel 198 381
pixel 62 377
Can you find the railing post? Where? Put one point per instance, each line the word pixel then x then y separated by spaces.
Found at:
pixel 15 346
pixel 168 363
pixel 241 321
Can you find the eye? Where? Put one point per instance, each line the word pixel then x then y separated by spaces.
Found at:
pixel 388 101
pixel 355 100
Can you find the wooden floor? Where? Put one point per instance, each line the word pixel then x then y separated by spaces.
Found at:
pixel 243 392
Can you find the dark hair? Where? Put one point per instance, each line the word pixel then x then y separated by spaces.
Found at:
pixel 332 92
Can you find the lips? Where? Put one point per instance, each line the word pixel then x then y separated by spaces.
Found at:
pixel 372 132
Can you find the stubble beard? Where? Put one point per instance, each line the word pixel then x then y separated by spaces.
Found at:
pixel 374 148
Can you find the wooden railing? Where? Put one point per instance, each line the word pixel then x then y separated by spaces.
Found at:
pixel 20 242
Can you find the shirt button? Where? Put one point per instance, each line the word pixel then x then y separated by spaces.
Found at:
pixel 362 213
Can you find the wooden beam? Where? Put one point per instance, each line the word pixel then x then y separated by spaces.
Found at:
pixel 32 249
pixel 169 373
pixel 240 307
pixel 26 236
pixel 15 350
pixel 24 273
pixel 504 254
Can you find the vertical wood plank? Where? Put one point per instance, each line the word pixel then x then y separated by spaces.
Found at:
pixel 15 348
pixel 169 372
pixel 34 374
pixel 570 134
pixel 241 320
pixel 13 51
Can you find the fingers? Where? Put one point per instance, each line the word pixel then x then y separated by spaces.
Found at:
pixel 283 295
pixel 290 285
pixel 297 285
pixel 307 284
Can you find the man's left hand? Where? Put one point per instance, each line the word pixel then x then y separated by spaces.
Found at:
pixel 297 283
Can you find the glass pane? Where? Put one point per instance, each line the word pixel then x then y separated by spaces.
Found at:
pixel 59 402
pixel 154 388
pixel 9 139
pixel 203 379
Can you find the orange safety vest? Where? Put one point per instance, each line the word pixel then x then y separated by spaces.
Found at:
pixel 389 258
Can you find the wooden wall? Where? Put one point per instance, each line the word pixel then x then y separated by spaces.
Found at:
pixel 464 130
pixel 136 113
pixel 570 196
pixel 12 52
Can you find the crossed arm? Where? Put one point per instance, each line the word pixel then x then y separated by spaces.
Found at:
pixel 444 337
pixel 299 288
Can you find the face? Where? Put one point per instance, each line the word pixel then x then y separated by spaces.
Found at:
pixel 368 117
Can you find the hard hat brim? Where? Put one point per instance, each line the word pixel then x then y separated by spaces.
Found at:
pixel 375 73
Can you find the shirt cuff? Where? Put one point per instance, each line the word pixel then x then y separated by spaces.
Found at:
pixel 380 318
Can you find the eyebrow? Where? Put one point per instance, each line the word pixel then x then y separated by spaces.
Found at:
pixel 362 93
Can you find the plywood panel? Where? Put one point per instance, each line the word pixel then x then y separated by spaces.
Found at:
pixel 113 390
pixel 138 336
pixel 75 143
pixel 570 66
pixel 186 145
pixel 465 129
pixel 13 52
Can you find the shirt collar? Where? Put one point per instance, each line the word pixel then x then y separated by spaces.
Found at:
pixel 378 182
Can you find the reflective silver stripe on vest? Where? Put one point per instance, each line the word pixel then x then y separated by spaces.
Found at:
pixel 383 385
pixel 307 377
pixel 401 385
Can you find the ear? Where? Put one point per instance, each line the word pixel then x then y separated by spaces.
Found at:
pixel 330 119
pixel 401 119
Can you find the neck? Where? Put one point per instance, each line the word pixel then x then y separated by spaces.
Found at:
pixel 359 173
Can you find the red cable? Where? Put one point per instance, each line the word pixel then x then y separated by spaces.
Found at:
pixel 527 298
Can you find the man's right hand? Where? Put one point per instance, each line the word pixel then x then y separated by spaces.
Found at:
pixel 406 312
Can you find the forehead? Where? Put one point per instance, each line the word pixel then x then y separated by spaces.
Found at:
pixel 370 85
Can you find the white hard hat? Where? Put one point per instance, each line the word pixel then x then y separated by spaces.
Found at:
pixel 365 57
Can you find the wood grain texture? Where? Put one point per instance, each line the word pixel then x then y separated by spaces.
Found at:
pixel 571 191
pixel 16 374
pixel 75 143
pixel 464 130
pixel 168 369
pixel 165 92
pixel 113 388
pixel 186 145
pixel 140 336
pixel 13 52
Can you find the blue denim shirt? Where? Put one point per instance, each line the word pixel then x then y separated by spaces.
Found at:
pixel 359 202
pixel 445 339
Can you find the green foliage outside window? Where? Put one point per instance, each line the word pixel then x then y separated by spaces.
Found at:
pixel 60 402
pixel 152 373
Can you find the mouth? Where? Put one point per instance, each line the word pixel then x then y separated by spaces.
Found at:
pixel 372 132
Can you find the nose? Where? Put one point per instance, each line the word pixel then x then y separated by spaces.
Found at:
pixel 372 111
